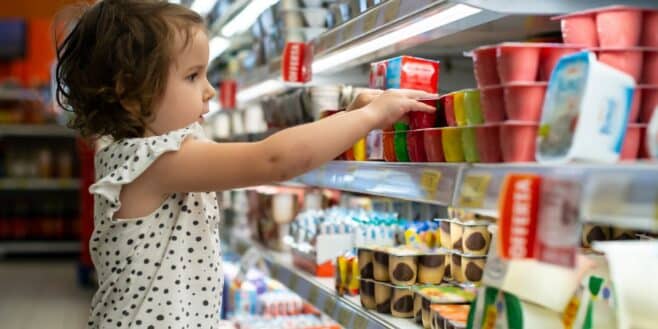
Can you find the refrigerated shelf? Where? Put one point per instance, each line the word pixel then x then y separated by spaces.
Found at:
pixel 632 203
pixel 449 27
pixel 320 292
pixel 429 183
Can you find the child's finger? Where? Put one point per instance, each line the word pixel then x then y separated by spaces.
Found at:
pixel 410 93
pixel 415 105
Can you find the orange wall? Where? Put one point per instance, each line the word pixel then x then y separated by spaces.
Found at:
pixel 32 8
pixel 34 69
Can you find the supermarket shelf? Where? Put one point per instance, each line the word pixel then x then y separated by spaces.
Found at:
pixel 18 94
pixel 30 130
pixel 39 184
pixel 321 293
pixel 624 195
pixel 430 183
pixel 38 247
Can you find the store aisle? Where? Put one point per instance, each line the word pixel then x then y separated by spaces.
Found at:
pixel 38 293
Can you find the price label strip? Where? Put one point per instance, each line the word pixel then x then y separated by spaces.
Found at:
pixel 344 317
pixel 360 322
pixel 348 31
pixel 314 295
pixel 474 190
pixel 370 20
pixel 293 284
pixel 429 182
pixel 392 11
pixel 329 305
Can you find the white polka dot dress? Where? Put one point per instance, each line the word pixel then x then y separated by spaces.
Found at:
pixel 162 270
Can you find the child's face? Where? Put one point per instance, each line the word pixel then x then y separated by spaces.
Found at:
pixel 185 98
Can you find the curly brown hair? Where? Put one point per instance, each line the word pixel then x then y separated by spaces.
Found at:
pixel 119 52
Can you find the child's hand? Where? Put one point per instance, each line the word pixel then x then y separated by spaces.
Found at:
pixel 392 105
pixel 364 98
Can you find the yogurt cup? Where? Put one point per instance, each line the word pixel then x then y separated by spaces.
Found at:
pixel 517 62
pixel 524 101
pixel 485 66
pixel 492 100
pixel 517 141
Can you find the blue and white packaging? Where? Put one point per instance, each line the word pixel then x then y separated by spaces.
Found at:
pixel 585 112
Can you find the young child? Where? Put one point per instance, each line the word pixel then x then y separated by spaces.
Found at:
pixel 135 70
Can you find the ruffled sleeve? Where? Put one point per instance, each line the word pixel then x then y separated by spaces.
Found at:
pixel 122 162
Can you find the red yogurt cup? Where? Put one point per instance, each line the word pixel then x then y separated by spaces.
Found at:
pixel 579 30
pixel 416 146
pixel 650 66
pixel 650 29
pixel 492 100
pixel 389 146
pixel 422 120
pixel 488 142
pixel 517 62
pixel 524 101
pixel 517 141
pixel 433 145
pixel 448 104
pixel 649 102
pixel 550 55
pixel 619 27
pixel 628 60
pixel 631 147
pixel 485 66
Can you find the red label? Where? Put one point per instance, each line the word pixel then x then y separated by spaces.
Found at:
pixel 227 94
pixel 296 62
pixel 519 205
pixel 378 75
pixel 419 74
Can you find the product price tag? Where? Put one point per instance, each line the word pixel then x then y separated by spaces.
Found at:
pixel 370 20
pixel 519 207
pixel 605 195
pixel 329 305
pixel 314 295
pixel 473 191
pixel 332 39
pixel 347 32
pixel 296 62
pixel 392 11
pixel 228 90
pixel 344 317
pixel 293 284
pixel 429 182
pixel 360 322
pixel 558 224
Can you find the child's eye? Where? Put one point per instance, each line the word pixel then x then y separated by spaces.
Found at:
pixel 192 77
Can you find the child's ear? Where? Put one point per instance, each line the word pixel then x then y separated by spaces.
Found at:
pixel 130 105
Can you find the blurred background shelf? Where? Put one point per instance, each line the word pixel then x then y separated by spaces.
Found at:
pixel 35 130
pixel 39 184
pixel 38 247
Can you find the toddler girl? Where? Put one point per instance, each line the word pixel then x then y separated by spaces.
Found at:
pixel 135 71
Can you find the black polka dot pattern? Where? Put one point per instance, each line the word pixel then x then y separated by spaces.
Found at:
pixel 162 270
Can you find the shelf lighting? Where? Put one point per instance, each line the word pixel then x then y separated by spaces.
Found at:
pixel 258 90
pixel 203 7
pixel 217 46
pixel 452 14
pixel 246 17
